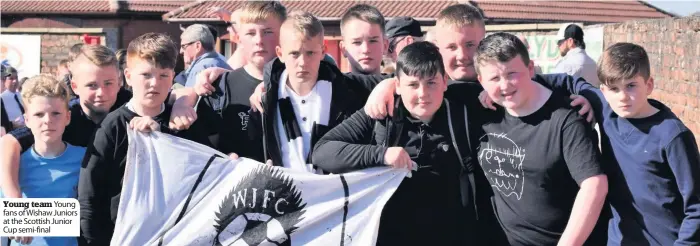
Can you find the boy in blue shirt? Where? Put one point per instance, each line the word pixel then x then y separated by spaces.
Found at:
pixel 51 168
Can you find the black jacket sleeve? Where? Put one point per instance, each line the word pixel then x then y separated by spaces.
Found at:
pixel 348 146
pixel 4 119
pixel 24 136
pixel 95 222
pixel 363 84
pixel 569 85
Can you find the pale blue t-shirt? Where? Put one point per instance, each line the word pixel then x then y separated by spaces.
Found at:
pixel 56 177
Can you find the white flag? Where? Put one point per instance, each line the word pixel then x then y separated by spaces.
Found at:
pixel 178 192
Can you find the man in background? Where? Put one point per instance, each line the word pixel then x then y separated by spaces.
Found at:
pixel 575 61
pixel 402 31
pixel 10 98
pixel 197 49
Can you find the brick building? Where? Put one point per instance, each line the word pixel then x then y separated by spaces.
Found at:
pixel 60 24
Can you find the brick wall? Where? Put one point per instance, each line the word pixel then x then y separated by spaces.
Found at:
pixel 126 28
pixel 673 46
pixel 130 28
pixel 54 48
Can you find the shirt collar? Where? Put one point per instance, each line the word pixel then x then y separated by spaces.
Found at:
pixel 205 55
pixel 576 50
pixel 403 113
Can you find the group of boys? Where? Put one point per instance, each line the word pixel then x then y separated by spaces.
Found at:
pixel 527 172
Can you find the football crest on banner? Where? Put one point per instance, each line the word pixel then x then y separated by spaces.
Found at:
pixel 262 209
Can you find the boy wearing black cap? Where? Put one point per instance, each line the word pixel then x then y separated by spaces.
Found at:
pixel 575 61
pixel 402 31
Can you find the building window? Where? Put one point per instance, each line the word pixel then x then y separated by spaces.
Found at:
pixel 227 49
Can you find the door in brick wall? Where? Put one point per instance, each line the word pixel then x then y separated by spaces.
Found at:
pixel 333 49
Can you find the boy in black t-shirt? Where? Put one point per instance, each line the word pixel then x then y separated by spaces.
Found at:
pixel 537 153
pixel 150 61
pixel 364 38
pixel 223 109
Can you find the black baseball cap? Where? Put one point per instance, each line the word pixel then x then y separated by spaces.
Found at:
pixel 403 26
pixel 570 31
pixel 8 71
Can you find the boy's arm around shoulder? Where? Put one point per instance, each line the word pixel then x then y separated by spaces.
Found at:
pixel 347 147
pixel 365 82
pixel 95 215
pixel 23 137
pixel 571 85
pixel 684 160
pixel 560 82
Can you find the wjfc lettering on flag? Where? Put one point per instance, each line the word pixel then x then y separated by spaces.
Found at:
pixel 177 192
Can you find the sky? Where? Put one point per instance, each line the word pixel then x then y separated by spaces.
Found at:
pixel 682 8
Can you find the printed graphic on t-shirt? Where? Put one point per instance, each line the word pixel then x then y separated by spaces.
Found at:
pixel 244 120
pixel 502 161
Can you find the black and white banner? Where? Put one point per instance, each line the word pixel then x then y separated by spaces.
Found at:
pixel 177 192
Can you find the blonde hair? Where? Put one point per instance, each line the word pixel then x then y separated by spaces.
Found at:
pixel 157 48
pixel 305 24
pixel 460 15
pixel 99 55
pixel 44 85
pixel 256 11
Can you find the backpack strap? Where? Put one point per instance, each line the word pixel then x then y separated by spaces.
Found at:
pixel 457 120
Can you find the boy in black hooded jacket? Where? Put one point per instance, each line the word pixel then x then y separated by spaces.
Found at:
pixel 306 97
pixel 429 134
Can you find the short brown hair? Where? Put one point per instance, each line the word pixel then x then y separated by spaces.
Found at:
pixel 74 51
pixel 121 57
pixel 501 47
pixel 44 85
pixel 63 63
pixel 363 12
pixel 157 48
pixel 256 11
pixel 99 55
pixel 305 24
pixel 623 61
pixel 460 15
